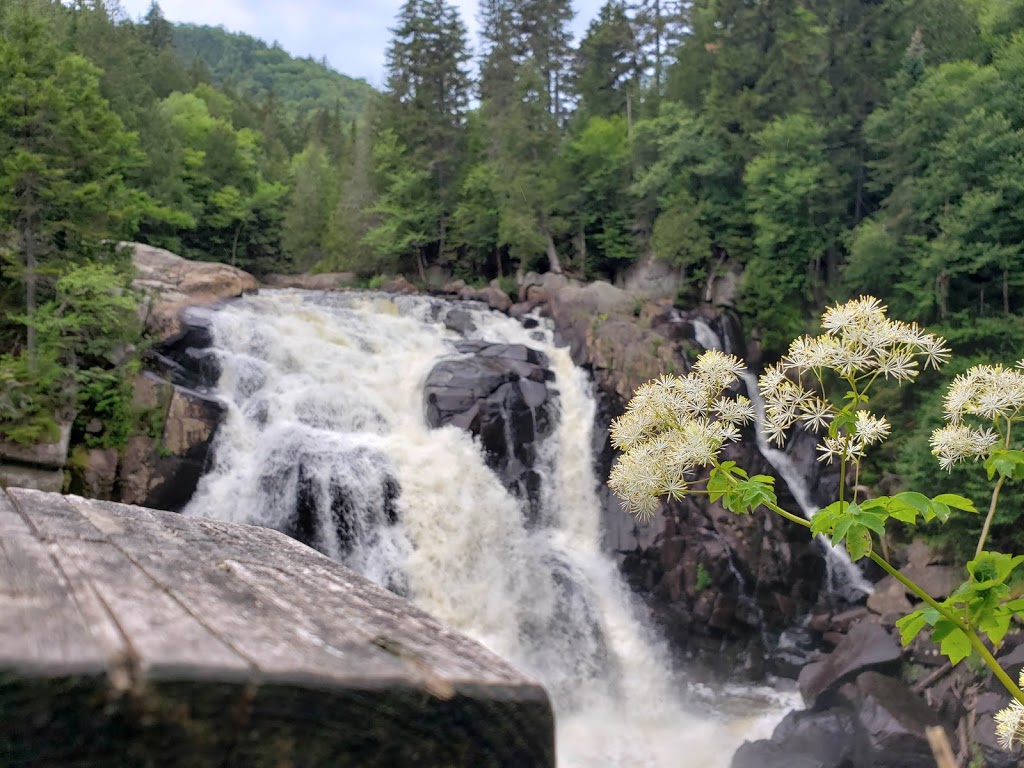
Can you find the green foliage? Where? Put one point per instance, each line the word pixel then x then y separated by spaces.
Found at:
pixel 704 579
pixel 257 70
pixel 738 492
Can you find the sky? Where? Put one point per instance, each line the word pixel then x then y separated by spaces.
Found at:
pixel 352 34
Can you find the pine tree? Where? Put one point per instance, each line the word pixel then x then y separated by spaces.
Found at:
pixel 425 105
pixel 607 67
pixel 63 153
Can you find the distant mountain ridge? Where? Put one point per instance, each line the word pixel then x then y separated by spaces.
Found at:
pixel 255 69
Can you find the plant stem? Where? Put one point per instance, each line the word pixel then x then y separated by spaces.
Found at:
pixel 989 516
pixel 972 636
pixel 789 515
pixel 995 496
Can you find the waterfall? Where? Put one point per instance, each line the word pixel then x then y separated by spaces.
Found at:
pixel 844 577
pixel 326 432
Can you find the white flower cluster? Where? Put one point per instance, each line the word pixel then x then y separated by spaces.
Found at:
pixel 672 426
pixel 859 343
pixel 990 393
pixel 1010 722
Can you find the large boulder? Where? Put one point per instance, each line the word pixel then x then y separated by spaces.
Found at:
pixel 162 469
pixel 867 646
pixel 171 283
pixel 499 393
pixel 875 722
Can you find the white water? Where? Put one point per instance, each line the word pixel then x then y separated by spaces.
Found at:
pixel 844 577
pixel 334 382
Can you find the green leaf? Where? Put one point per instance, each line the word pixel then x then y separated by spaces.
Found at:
pixel 953 643
pixel 858 543
pixel 996 624
pixel 1008 464
pixel 991 568
pixel 841 529
pixel 910 626
pixel 956 502
pixel 748 495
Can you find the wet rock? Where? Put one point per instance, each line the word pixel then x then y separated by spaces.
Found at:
pixel 867 646
pixel 163 472
pixel 498 392
pixel 829 739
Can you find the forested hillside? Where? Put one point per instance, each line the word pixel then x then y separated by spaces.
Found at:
pixel 822 147
pixel 259 71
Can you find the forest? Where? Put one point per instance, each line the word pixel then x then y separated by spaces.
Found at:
pixel 823 148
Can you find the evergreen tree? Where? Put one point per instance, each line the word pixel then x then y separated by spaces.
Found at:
pixel 607 68
pixel 425 108
pixel 63 154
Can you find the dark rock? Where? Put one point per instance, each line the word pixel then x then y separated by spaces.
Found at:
pixel 499 393
pixel 459 320
pixel 829 739
pixel 866 646
pixel 985 708
pixel 163 472
pixel 894 719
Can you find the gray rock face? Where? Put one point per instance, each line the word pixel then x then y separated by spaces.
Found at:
pixel 172 283
pixel 40 455
pixel 499 393
pixel 867 646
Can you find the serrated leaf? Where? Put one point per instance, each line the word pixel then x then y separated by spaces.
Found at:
pixel 1009 464
pixel 764 479
pixel 841 529
pixel 858 543
pixel 996 624
pixel 956 502
pixel 1015 605
pixel 910 626
pixel 955 646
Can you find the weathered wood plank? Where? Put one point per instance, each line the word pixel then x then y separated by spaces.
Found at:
pixel 236 646
pixel 48 618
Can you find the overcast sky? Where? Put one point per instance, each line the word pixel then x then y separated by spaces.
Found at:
pixel 352 34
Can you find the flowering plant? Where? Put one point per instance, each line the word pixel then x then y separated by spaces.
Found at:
pixel 675 427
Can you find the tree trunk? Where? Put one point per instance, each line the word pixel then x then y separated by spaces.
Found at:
pixel 421 266
pixel 554 265
pixel 581 250
pixel 234 243
pixel 28 245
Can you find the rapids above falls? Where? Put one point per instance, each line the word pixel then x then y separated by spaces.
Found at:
pixel 326 439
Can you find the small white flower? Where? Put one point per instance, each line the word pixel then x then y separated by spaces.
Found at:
pixel 1010 722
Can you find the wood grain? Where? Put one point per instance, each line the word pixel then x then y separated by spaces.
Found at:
pixel 131 637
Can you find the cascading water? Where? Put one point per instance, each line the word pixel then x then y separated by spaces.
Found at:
pixel 326 432
pixel 844 577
